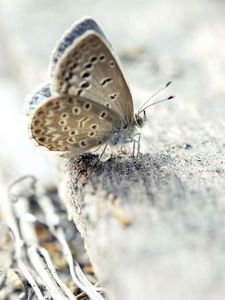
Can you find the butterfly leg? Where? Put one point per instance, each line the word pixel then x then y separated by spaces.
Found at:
pixel 103 151
pixel 138 142
pixel 134 147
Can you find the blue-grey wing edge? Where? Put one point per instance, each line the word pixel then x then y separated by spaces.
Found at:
pixel 74 32
pixel 41 93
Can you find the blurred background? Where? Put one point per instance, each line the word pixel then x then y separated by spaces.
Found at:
pixel 156 41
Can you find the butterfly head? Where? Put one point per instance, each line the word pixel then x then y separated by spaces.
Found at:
pixel 140 120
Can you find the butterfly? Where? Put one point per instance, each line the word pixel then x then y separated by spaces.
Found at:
pixel 87 102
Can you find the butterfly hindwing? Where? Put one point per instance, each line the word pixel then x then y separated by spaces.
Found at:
pixel 72 123
pixel 39 95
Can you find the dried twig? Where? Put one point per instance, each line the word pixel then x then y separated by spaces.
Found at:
pixel 35 267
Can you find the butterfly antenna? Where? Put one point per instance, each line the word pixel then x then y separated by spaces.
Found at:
pixel 155 102
pixel 153 95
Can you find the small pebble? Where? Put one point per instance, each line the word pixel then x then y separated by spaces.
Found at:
pixel 187 146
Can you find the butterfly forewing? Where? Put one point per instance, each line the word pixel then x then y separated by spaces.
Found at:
pixel 71 35
pixel 89 69
pixel 73 122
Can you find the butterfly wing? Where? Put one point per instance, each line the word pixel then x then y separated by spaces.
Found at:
pixel 83 64
pixel 75 123
pixel 39 95
pixel 77 30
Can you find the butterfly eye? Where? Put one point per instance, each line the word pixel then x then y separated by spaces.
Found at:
pixel 139 121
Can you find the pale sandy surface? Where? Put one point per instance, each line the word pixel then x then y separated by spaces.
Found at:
pixel 182 41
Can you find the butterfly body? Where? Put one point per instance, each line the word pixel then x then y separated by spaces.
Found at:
pixel 86 102
pixel 122 136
